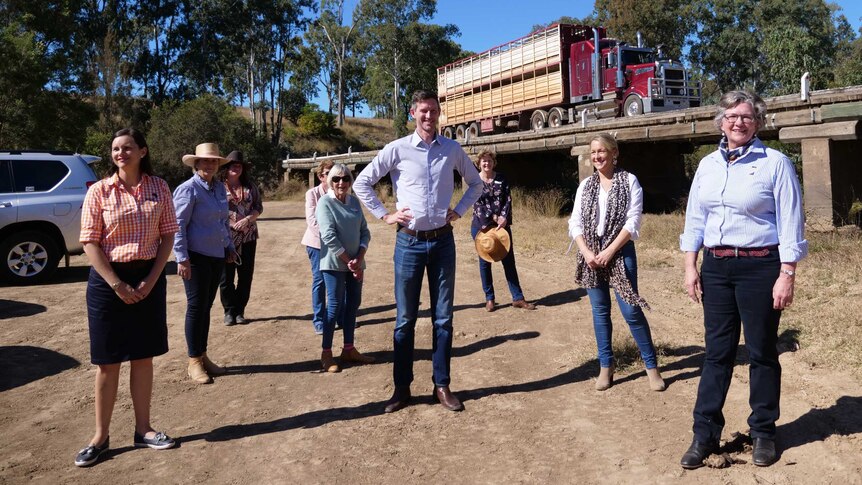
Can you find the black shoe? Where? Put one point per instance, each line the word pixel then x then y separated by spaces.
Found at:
pixel 160 441
pixel 241 320
pixel 229 319
pixel 764 452
pixel 91 453
pixel 399 400
pixel 697 452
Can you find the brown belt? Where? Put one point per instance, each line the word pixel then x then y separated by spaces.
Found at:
pixel 426 235
pixel 732 252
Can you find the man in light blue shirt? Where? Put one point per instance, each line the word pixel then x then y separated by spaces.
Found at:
pixel 422 167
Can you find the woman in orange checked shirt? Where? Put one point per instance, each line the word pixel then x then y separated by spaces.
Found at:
pixel 127 228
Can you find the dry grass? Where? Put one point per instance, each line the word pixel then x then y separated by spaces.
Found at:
pixel 824 318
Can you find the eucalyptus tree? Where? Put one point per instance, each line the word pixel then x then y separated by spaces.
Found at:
pixel 336 40
pixel 382 25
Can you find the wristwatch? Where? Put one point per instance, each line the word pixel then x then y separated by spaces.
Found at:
pixel 789 272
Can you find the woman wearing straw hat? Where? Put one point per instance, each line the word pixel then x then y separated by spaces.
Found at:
pixel 493 212
pixel 245 206
pixel 201 246
pixel 604 224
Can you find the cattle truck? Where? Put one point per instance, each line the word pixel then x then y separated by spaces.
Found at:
pixel 558 75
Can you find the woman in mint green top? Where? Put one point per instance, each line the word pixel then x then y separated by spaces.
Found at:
pixel 344 238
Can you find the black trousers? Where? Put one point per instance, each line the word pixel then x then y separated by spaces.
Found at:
pixel 201 290
pixel 737 295
pixel 234 297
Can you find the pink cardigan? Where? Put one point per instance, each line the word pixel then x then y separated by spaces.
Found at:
pixel 311 238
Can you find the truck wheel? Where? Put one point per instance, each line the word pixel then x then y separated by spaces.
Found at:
pixel 473 130
pixel 634 106
pixel 556 117
pixel 448 132
pixel 460 132
pixel 29 257
pixel 539 120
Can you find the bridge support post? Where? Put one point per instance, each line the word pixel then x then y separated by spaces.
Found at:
pixel 286 175
pixel 829 178
pixel 585 166
pixel 311 178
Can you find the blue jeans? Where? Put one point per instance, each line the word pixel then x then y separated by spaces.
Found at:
pixel 508 268
pixel 737 295
pixel 201 291
pixel 318 291
pixel 414 257
pixel 344 295
pixel 600 300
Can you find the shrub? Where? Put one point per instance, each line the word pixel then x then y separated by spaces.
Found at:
pixel 316 123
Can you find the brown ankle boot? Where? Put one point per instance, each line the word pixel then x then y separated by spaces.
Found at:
pixel 211 367
pixel 197 371
pixel 606 378
pixel 328 363
pixel 656 383
pixel 353 355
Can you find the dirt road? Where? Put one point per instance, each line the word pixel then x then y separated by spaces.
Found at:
pixel 526 379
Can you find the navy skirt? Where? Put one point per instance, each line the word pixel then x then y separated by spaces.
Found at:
pixel 121 332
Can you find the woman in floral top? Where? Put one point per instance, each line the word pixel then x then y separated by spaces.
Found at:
pixel 245 207
pixel 494 209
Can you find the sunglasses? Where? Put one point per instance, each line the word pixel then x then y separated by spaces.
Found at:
pixel 337 179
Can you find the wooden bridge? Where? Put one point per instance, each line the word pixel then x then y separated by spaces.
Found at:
pixel 826 123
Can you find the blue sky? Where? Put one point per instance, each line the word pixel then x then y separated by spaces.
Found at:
pixel 488 23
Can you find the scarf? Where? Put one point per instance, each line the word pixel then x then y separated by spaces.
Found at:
pixel 615 219
pixel 737 153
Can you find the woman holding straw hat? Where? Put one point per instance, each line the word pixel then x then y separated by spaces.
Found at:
pixel 493 212
pixel 604 224
pixel 202 245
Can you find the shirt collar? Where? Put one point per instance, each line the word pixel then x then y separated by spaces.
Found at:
pixel 115 179
pixel 738 152
pixel 415 139
pixel 203 183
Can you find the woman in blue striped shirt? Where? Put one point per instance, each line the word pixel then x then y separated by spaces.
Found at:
pixel 745 211
pixel 202 245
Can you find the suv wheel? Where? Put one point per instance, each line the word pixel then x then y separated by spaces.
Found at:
pixel 29 257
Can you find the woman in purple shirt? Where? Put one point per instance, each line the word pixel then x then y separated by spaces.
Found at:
pixel 745 211
pixel 202 245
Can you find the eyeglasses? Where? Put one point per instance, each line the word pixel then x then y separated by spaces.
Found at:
pixel 746 120
pixel 324 174
pixel 337 179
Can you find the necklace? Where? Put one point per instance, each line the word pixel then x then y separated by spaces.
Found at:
pixel 233 192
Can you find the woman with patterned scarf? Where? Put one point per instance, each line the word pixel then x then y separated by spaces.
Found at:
pixel 604 224
pixel 745 212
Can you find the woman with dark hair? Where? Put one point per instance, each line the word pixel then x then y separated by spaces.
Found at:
pixel 244 206
pixel 605 223
pixel 202 245
pixel 745 212
pixel 127 229
pixel 494 210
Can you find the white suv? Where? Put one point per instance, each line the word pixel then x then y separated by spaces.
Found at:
pixel 41 194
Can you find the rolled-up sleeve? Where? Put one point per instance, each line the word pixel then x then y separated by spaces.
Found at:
pixel 363 186
pixel 92 224
pixel 474 183
pixel 576 227
pixel 168 219
pixel 789 214
pixel 691 239
pixel 184 206
pixel 636 207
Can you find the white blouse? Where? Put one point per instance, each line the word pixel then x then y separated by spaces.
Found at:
pixel 633 213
